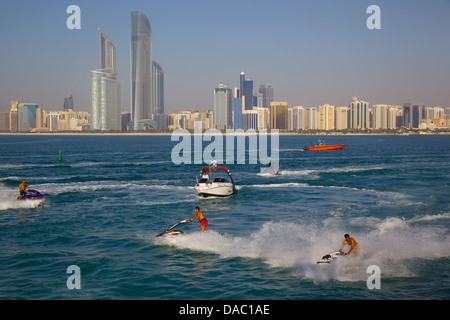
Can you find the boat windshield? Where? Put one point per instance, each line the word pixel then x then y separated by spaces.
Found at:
pixel 203 180
pixel 220 180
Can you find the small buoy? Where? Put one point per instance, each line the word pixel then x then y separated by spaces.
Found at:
pixel 60 156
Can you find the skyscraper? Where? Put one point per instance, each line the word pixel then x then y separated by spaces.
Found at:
pixel 107 52
pixel 359 114
pixel 13 116
pixel 68 103
pixel 246 91
pixel 106 106
pixel 158 89
pixel 267 91
pixel 223 107
pixel 326 117
pixel 26 116
pixel 141 71
pixel 279 115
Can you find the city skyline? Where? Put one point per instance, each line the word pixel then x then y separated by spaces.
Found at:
pixel 311 52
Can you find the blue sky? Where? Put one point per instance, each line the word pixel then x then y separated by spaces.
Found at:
pixel 313 52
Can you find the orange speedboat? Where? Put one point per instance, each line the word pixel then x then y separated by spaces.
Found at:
pixel 321 146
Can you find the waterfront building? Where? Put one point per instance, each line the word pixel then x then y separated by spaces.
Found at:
pixel 250 119
pixel 158 89
pixel 13 126
pixel 267 94
pixel 278 115
pixel 141 65
pixel 263 118
pixel 359 114
pixel 26 116
pixel 238 108
pixel 311 118
pixel 392 114
pixel 246 91
pixel 298 118
pixel 41 119
pixel 326 117
pixel 4 121
pixel 379 116
pixel 258 100
pixel 105 90
pixel 223 107
pixel 52 121
pixel 341 118
pixel 68 103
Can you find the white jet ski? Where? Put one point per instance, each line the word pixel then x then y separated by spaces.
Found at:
pixel 171 232
pixel 270 172
pixel 219 187
pixel 328 258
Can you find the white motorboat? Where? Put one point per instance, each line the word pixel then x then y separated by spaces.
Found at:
pixel 215 186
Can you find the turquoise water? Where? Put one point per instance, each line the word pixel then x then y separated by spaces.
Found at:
pixel 111 195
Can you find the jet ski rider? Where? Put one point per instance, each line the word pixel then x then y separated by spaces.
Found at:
pixel 22 188
pixel 354 246
pixel 201 217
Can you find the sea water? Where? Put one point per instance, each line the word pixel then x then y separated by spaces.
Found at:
pixel 109 197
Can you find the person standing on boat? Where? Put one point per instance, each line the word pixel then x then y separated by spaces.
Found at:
pixel 354 246
pixel 213 165
pixel 201 217
pixel 22 188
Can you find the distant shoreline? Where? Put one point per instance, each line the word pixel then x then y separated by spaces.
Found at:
pixel 191 133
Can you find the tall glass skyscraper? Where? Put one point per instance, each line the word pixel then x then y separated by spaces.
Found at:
pixel 26 116
pixel 246 91
pixel 158 89
pixel 107 52
pixel 223 107
pixel 267 94
pixel 141 71
pixel 106 106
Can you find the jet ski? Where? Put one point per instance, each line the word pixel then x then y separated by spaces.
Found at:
pixel 171 232
pixel 32 195
pixel 328 258
pixel 270 172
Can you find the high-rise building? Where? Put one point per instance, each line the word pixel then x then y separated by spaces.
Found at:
pixel 141 64
pixel 393 114
pixel 279 115
pixel 250 119
pixel 326 117
pixel 26 116
pixel 237 113
pixel 359 114
pixel 413 115
pixel 223 107
pixel 68 103
pixel 158 89
pixel 13 126
pixel 267 94
pixel 341 117
pixel 105 87
pixel 246 91
pixel 263 118
pixel 407 115
pixel 298 118
pixel 4 121
pixel 311 118
pixel 418 110
pixel 380 116
pixel 107 52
